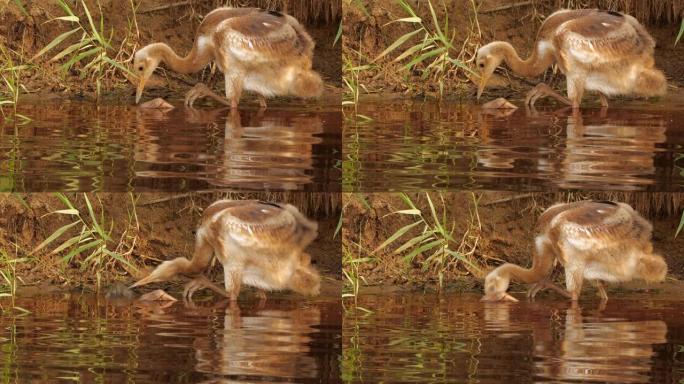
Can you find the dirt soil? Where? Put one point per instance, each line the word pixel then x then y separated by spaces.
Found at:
pixel 367 33
pixel 504 234
pixel 166 230
pixel 157 21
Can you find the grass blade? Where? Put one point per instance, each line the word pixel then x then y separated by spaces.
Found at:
pixel 401 40
pixel 55 42
pixel 73 19
pixel 414 19
pixel 67 211
pixel 409 52
pixel 65 7
pixel 414 212
pixel 424 56
pixel 119 66
pixel 53 237
pixel 338 35
pixel 79 57
pixel 425 247
pixel 66 245
pixel 70 49
pixel 64 200
pixel 79 250
pixel 93 28
pixel 119 258
pixel 412 242
pixel 399 233
pixel 338 227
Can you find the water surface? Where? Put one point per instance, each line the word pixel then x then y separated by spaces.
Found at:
pixel 405 145
pixel 83 338
pixel 419 338
pixel 74 146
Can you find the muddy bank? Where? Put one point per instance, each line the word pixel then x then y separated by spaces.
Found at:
pixel 489 228
pixel 25 30
pixel 143 229
pixel 369 30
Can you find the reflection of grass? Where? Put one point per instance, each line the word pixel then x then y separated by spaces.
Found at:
pixel 681 32
pixel 353 256
pixel 10 279
pixel 352 353
pixel 352 161
pixel 425 339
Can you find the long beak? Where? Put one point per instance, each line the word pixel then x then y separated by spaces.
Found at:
pixel 483 82
pixel 141 86
pixel 142 281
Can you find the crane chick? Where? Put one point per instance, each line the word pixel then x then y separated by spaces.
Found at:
pixel 259 244
pixel 607 52
pixel 265 52
pixel 593 240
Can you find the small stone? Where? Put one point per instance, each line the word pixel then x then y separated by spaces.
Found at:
pixel 157 295
pixel 157 103
pixel 499 103
pixel 119 291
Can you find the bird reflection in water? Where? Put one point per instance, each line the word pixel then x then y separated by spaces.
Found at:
pixel 591 347
pixel 606 147
pixel 260 342
pixel 617 148
pixel 253 150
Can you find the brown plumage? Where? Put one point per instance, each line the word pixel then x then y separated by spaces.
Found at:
pixel 607 52
pixel 593 240
pixel 266 52
pixel 259 244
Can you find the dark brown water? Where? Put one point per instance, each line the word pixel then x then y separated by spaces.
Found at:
pixel 416 338
pixel 82 338
pixel 409 145
pixel 70 146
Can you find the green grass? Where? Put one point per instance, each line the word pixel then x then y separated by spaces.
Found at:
pixel 431 236
pixel 10 85
pixel 92 246
pixel 681 32
pixel 92 55
pixel 351 73
pixel 434 55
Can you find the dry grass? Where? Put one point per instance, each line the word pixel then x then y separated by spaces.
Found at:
pixel 306 11
pixel 647 11
pixel 650 204
pixel 314 204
